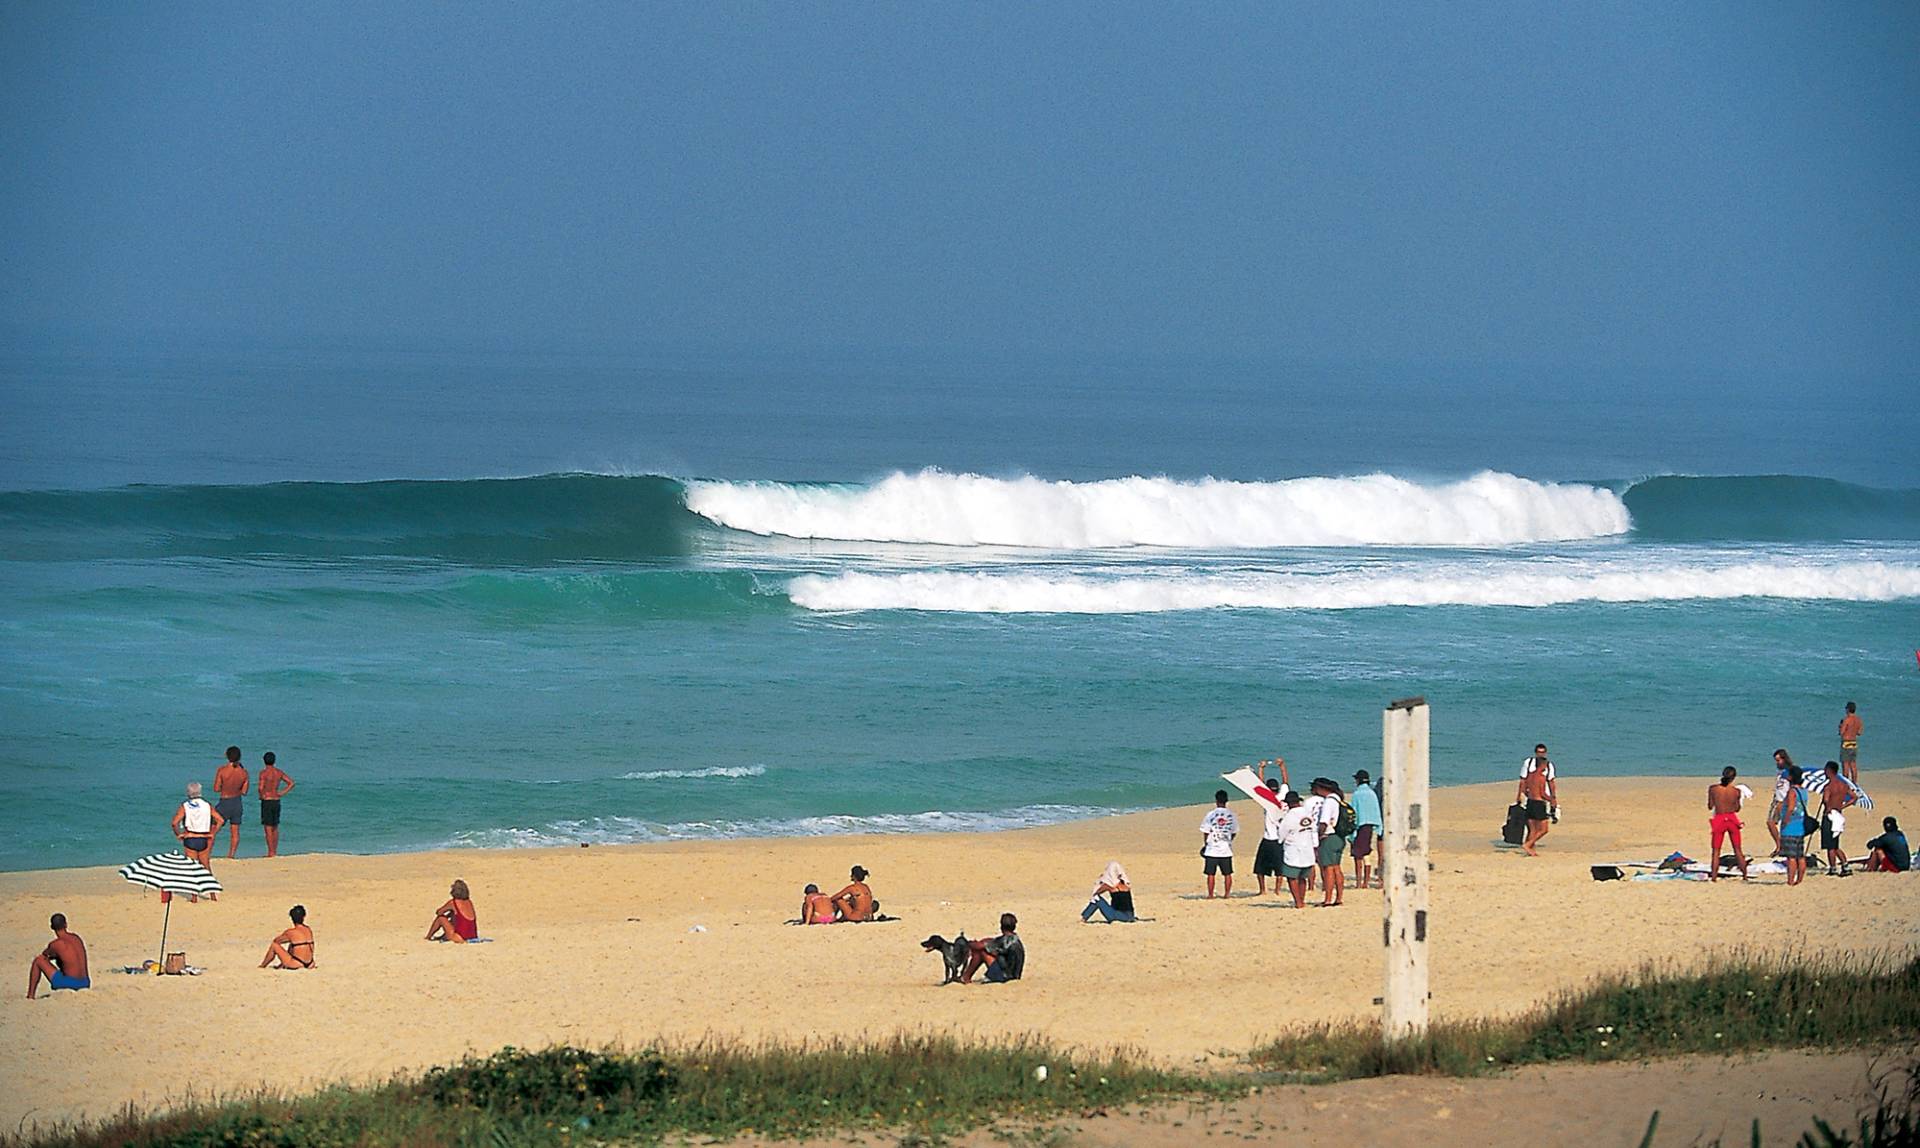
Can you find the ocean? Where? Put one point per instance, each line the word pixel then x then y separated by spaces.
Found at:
pixel 496 600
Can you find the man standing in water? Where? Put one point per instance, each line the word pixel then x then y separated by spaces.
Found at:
pixel 230 781
pixel 1723 802
pixel 1540 791
pixel 275 783
pixel 1850 744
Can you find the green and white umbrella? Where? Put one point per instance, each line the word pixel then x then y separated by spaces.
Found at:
pixel 171 873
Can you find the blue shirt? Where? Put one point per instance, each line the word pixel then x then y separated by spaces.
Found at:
pixel 1366 806
pixel 1896 846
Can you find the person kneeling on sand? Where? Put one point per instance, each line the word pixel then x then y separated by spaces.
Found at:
pixel 456 920
pixel 1117 904
pixel 1888 853
pixel 816 908
pixel 1004 955
pixel 855 902
pixel 293 948
pixel 63 962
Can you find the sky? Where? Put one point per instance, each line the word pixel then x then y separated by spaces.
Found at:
pixel 1700 187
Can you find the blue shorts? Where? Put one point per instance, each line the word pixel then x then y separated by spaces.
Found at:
pixel 60 980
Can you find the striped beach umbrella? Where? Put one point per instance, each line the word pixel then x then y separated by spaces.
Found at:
pixel 171 873
pixel 1817 781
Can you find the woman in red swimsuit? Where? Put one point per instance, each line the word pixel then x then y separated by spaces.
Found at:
pixel 455 921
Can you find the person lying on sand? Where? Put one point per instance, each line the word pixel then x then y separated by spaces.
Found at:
pixel 816 908
pixel 455 921
pixel 63 962
pixel 1117 903
pixel 1004 955
pixel 855 902
pixel 293 948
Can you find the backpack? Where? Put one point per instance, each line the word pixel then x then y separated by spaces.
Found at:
pixel 1346 821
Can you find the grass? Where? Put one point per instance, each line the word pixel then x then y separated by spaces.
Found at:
pixel 1736 1003
pixel 929 1086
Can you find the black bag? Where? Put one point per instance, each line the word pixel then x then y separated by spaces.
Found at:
pixel 1515 830
pixel 1607 872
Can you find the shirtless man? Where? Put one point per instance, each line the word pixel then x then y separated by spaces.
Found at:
pixel 855 902
pixel 1539 790
pixel 275 783
pixel 196 824
pixel 1723 802
pixel 1850 744
pixel 230 781
pixel 1837 796
pixel 63 963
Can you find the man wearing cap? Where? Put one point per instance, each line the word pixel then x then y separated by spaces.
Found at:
pixel 1333 879
pixel 1367 827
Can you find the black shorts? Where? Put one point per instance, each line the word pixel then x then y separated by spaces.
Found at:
pixel 230 808
pixel 1537 810
pixel 270 812
pixel 1828 838
pixel 1266 862
pixel 195 844
pixel 1219 865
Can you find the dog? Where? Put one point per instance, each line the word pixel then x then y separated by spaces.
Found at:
pixel 953 952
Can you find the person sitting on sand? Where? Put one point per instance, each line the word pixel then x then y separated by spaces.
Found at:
pixel 1004 955
pixel 455 921
pixel 293 948
pixel 196 824
pixel 1888 853
pixel 1117 904
pixel 855 902
pixel 63 962
pixel 816 908
pixel 1795 824
pixel 1723 802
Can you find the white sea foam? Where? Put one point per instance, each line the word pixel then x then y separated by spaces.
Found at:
pixel 632 830
pixel 1513 584
pixel 931 506
pixel 709 771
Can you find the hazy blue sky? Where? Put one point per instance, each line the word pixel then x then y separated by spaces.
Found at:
pixel 1714 187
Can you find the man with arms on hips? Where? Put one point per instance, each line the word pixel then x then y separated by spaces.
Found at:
pixel 1837 796
pixel 1723 807
pixel 275 783
pixel 63 963
pixel 1367 827
pixel 1850 744
pixel 1540 792
pixel 1217 830
pixel 196 824
pixel 230 782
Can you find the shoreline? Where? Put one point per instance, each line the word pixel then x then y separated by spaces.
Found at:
pixel 676 941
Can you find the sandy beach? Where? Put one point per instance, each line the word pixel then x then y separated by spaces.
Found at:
pixel 678 941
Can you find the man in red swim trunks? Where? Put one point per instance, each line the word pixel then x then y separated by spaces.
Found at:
pixel 1724 802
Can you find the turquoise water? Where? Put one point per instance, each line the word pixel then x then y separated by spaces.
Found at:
pixel 769 613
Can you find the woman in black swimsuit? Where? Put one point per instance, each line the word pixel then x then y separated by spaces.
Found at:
pixel 293 948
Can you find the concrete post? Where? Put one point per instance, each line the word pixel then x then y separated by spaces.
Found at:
pixel 1403 866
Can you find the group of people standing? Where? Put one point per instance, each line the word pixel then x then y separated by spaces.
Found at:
pixel 197 824
pixel 1304 836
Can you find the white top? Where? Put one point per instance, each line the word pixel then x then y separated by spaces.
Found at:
pixel 1527 767
pixel 1325 810
pixel 1219 825
pixel 199 816
pixel 1275 816
pixel 1299 838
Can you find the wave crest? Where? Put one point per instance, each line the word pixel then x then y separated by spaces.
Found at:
pixel 709 771
pixel 931 506
pixel 634 830
pixel 1529 584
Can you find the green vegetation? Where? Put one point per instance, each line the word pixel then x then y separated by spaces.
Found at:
pixel 928 1085
pixel 1736 1003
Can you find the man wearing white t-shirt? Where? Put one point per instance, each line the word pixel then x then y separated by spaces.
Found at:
pixel 1299 842
pixel 1540 791
pixel 1217 831
pixel 1266 862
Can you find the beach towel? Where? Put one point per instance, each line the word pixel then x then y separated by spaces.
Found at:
pixel 869 921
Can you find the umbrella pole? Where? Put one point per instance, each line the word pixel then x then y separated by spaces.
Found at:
pixel 163 934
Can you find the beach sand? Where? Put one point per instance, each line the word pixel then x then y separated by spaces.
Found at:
pixel 598 946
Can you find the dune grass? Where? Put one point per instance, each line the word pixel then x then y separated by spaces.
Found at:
pixel 931 1085
pixel 1736 1002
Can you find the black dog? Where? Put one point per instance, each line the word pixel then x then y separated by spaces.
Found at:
pixel 953 952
